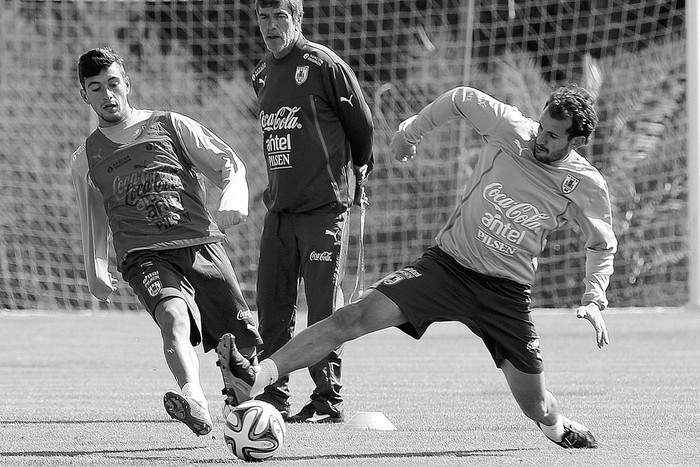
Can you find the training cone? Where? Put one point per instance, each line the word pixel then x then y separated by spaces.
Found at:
pixel 369 421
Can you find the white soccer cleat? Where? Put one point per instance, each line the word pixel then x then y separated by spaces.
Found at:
pixel 188 411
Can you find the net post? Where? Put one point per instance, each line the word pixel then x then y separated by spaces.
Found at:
pixel 693 159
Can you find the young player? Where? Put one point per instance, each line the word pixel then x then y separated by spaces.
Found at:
pixel 137 181
pixel 528 181
pixel 317 144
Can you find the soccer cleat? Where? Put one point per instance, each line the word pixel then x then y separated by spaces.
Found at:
pixel 576 436
pixel 236 370
pixel 309 414
pixel 286 414
pixel 188 411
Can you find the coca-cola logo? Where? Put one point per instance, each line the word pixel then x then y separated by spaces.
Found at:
pixel 321 256
pixel 134 186
pixel 524 214
pixel 243 315
pixel 284 119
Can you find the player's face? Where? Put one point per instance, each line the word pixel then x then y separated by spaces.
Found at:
pixel 552 143
pixel 107 95
pixel 279 29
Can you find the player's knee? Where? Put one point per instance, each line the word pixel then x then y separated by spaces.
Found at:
pixel 173 317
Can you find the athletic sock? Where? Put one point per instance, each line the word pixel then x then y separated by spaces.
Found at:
pixel 554 432
pixel 195 391
pixel 267 375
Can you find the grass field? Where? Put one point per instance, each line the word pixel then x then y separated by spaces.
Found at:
pixel 85 390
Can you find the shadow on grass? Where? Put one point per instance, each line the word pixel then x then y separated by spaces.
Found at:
pixel 397 455
pixel 358 456
pixel 78 422
pixel 92 453
pixel 385 455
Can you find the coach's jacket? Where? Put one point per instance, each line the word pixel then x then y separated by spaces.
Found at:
pixel 316 127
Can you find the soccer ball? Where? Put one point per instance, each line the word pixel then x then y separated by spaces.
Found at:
pixel 254 430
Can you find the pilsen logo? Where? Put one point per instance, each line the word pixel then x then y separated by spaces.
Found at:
pixel 284 119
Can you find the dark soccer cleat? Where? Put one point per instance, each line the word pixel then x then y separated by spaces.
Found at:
pixel 236 370
pixel 188 411
pixel 576 436
pixel 309 414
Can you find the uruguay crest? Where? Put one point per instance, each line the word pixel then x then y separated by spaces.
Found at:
pixel 569 184
pixel 154 288
pixel 301 74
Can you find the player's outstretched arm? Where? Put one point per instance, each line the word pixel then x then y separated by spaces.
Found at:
pixel 592 313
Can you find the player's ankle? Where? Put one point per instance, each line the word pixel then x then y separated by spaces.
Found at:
pixel 267 374
pixel 554 432
pixel 194 390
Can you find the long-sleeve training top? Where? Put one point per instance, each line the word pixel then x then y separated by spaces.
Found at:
pixel 138 182
pixel 512 201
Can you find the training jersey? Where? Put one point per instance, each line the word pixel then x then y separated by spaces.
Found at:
pixel 511 202
pixel 138 182
pixel 316 125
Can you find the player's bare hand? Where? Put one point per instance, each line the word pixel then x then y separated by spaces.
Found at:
pixel 227 219
pixel 112 287
pixel 592 313
pixel 361 174
pixel 400 148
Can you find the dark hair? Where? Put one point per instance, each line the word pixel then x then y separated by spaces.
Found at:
pixel 575 102
pixel 296 6
pixel 92 62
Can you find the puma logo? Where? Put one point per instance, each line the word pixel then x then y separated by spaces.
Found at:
pixel 336 233
pixel 347 99
pixel 520 147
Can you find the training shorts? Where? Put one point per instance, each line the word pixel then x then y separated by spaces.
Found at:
pixel 436 288
pixel 201 275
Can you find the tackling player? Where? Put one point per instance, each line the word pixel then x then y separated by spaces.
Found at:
pixel 528 181
pixel 317 143
pixel 137 180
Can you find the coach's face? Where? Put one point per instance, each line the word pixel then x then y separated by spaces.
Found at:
pixel 279 29
pixel 107 94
